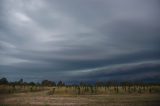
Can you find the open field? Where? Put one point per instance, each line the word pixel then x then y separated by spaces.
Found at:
pixel 63 96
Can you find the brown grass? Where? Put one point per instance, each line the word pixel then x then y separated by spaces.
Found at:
pixel 67 97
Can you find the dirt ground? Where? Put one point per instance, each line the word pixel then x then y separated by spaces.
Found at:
pixel 42 99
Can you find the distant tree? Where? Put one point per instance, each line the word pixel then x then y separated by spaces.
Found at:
pixel 48 83
pixel 38 84
pixel 99 83
pixel 32 83
pixel 3 81
pixel 60 83
pixel 25 83
pixel 83 84
pixel 20 81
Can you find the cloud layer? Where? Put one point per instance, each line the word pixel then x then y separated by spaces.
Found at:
pixel 57 39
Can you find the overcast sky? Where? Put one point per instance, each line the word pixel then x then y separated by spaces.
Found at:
pixel 80 39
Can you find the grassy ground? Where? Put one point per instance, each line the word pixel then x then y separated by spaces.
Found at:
pixel 44 98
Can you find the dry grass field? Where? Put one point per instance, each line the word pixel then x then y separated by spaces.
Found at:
pixel 64 97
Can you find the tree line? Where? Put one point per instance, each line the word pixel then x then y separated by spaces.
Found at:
pixel 82 83
pixel 4 81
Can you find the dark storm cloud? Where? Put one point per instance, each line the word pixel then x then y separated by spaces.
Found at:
pixel 131 71
pixel 55 38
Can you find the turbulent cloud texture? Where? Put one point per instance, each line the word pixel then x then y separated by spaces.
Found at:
pixel 79 39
